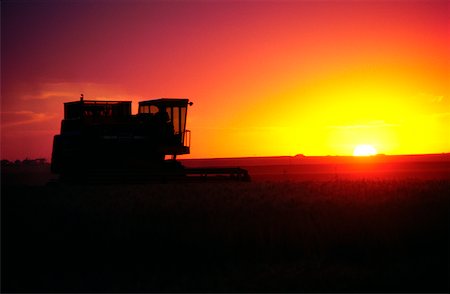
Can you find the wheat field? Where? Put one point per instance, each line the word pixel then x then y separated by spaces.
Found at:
pixel 329 236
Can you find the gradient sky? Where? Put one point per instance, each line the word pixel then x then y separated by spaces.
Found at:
pixel 266 78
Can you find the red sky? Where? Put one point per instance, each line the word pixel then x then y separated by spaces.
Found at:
pixel 266 78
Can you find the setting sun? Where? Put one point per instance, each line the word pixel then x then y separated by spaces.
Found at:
pixel 364 150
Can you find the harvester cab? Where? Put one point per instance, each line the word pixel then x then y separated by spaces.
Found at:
pixel 171 115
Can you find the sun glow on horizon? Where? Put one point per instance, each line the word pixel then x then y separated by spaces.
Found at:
pixel 364 150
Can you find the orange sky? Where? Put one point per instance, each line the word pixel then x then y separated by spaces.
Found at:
pixel 266 78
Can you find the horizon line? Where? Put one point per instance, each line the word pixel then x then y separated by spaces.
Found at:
pixel 277 156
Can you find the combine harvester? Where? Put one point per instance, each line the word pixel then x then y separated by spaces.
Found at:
pixel 101 141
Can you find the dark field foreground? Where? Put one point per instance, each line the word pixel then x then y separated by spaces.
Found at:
pixel 317 236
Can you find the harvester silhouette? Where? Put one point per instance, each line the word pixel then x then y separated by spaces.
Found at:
pixel 104 141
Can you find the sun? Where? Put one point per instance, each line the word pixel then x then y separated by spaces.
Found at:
pixel 364 150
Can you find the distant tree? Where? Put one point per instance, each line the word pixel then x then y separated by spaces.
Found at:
pixel 6 162
pixel 41 160
pixel 26 161
pixel 34 162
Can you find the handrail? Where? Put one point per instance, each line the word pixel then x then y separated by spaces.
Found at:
pixel 187 138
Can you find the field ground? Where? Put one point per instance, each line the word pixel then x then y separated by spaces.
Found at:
pixel 304 234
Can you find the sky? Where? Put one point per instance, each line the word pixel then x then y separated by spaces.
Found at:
pixel 267 78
